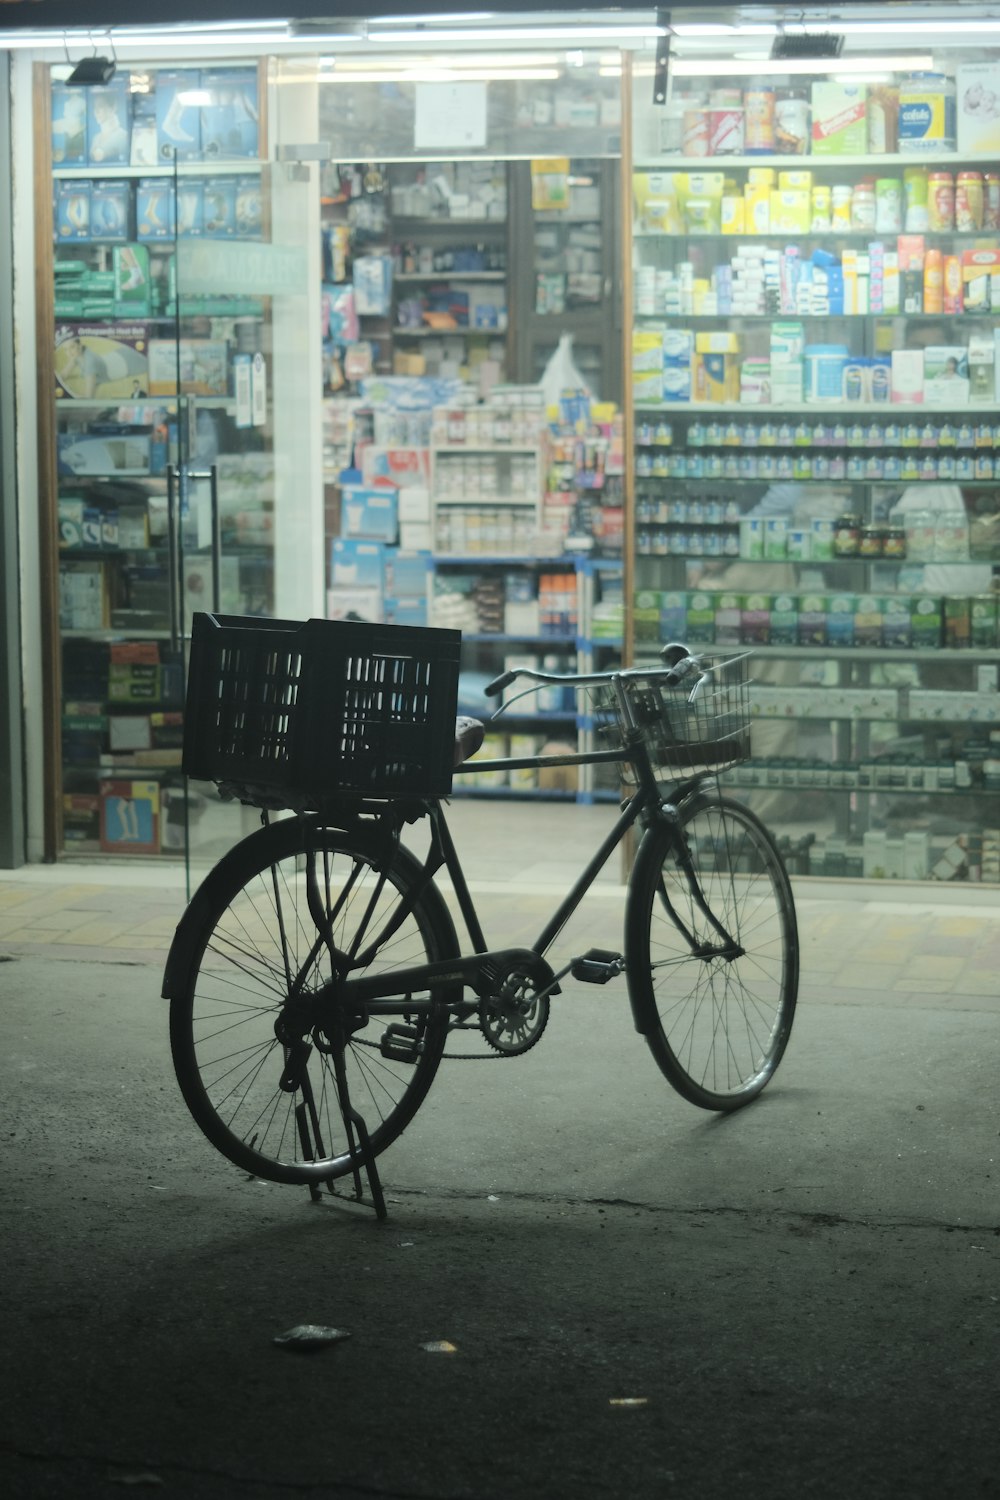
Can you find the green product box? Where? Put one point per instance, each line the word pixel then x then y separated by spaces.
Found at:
pixel 130 281
pixel 841 610
pixel 812 620
pixel 868 620
pixel 700 628
pixel 646 615
pixel 983 612
pixel 784 620
pixel 728 619
pixel 925 616
pixel 897 629
pixel 957 621
pixel 756 619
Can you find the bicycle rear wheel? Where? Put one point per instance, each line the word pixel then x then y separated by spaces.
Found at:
pixel 716 1025
pixel 246 945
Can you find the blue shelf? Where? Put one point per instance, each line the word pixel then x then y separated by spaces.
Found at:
pixel 510 793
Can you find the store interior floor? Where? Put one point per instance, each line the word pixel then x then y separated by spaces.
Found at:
pixel 861 941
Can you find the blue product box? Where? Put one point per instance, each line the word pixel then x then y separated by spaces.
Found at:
pixel 72 211
pixel 412 612
pixel 249 213
pixel 369 514
pixel 143 150
pixel 69 125
pixel 407 574
pixel 109 123
pixel 229 122
pixel 109 208
pixel 357 564
pixel 178 115
pixel 190 208
pixel 219 209
pixel 155 216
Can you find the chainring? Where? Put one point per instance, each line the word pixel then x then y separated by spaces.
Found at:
pixel 514 1017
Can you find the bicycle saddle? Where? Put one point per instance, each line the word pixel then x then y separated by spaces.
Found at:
pixel 468 738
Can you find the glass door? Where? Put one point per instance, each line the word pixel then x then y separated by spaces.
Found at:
pixel 244 494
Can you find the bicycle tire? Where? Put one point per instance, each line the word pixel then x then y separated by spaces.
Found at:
pixel 227 977
pixel 717 1027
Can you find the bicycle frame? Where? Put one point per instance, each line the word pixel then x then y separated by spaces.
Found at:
pixel 374 993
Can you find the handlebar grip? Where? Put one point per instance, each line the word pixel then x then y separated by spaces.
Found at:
pixel 494 688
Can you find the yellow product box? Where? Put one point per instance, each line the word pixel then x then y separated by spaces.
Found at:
pixel 790 181
pixel 733 217
pixel 647 350
pixel 757 208
pixel 717 342
pixel 716 377
pixel 761 177
pixel 655 197
pixel 790 211
pixel 700 184
pixel 647 385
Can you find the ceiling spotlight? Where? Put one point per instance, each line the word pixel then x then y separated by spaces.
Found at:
pixel 818 45
pixel 92 72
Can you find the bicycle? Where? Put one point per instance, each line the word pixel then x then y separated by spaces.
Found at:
pixel 318 965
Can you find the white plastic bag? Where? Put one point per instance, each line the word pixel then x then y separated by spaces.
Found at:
pixel 561 374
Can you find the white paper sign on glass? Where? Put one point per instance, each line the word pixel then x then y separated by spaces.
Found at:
pixel 450 114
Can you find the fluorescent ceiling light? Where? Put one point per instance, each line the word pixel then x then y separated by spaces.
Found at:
pixel 439 75
pixel 712 67
pixel 708 29
pixel 567 34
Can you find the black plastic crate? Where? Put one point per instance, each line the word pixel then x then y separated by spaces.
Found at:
pixel 291 713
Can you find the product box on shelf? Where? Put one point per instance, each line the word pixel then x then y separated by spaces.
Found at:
pixel 229 121
pixel 190 208
pixel 978 106
pixel 143 150
pixel 346 603
pixel 178 114
pixel 370 513
pixel 203 366
pixel 83 595
pixel 72 211
pixel 357 564
pixel 130 817
pixel 101 360
pixel 946 374
pixel 219 207
pixel 908 376
pixel 109 210
pixel 980 279
pixel 155 218
pixel 109 123
pixel 131 283
pixel 69 126
pixel 249 208
pixel 839 119
pixel 105 454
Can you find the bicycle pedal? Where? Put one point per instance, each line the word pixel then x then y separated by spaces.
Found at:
pixel 401 1043
pixel 597 966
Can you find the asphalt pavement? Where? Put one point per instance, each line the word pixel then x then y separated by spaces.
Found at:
pixel 585 1286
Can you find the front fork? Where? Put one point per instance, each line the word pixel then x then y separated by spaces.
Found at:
pixel 729 949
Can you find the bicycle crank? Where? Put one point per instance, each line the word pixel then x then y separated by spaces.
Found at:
pixel 513 1018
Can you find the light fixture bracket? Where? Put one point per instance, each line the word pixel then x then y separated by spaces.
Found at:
pixel 92 72
pixel 811 45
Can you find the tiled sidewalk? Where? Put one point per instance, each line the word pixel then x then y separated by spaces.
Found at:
pixel 862 943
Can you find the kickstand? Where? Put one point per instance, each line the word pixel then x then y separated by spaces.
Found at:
pixel 306 1111
pixel 351 1117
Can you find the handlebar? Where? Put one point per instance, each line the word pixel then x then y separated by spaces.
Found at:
pixel 678 660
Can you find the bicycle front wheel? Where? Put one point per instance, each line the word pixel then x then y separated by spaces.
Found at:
pixel 718 1022
pixel 247 944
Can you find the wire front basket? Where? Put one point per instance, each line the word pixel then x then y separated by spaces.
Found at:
pixel 687 730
